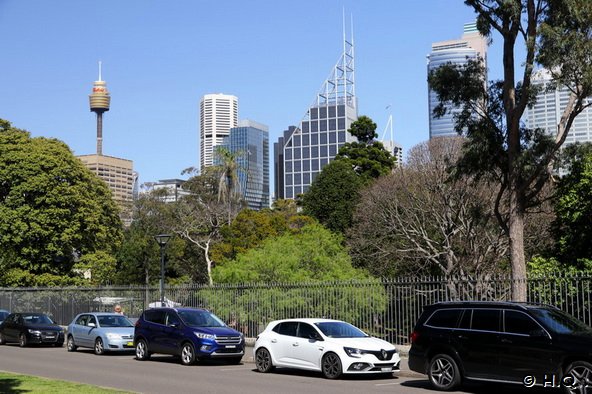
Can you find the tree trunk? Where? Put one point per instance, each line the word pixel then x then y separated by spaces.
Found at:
pixel 208 263
pixel 516 235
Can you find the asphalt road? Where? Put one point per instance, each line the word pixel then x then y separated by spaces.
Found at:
pixel 164 374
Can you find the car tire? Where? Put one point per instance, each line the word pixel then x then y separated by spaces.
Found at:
pixel 263 360
pixel 142 353
pixel 2 340
pixel 23 342
pixel 70 345
pixel 187 354
pixel 443 372
pixel 331 366
pixel 99 346
pixel 578 375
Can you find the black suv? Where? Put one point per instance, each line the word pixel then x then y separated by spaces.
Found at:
pixel 191 333
pixel 528 344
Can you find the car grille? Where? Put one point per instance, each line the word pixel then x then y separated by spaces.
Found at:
pixel 228 340
pixel 50 336
pixel 381 354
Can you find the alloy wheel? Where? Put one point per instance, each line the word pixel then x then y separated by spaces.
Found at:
pixel 142 350
pixel 22 340
pixel 331 366
pixel 263 360
pixel 443 372
pixel 2 341
pixel 187 354
pixel 578 378
pixel 99 347
pixel 70 344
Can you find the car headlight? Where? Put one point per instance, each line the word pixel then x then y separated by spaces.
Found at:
pixel 201 335
pixel 34 332
pixel 113 336
pixel 353 352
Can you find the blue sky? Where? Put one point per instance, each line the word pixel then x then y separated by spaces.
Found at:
pixel 160 57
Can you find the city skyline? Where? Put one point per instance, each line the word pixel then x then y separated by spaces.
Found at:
pixel 159 60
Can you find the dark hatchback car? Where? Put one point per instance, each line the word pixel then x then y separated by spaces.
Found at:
pixel 527 344
pixel 31 328
pixel 193 334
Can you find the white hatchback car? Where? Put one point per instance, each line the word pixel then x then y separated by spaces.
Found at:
pixel 333 347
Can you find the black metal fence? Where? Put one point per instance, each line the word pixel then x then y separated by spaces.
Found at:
pixel 385 308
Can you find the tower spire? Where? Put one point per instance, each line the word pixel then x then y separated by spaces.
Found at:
pixel 100 70
pixel 100 101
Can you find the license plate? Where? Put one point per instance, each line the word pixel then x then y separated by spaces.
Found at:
pixel 230 346
pixel 50 336
pixel 386 369
pixel 130 344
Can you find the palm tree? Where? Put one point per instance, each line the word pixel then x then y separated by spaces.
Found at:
pixel 228 185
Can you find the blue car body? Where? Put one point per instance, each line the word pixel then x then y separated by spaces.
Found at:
pixel 194 334
pixel 103 332
pixel 3 315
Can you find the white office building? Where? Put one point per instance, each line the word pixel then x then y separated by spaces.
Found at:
pixel 218 114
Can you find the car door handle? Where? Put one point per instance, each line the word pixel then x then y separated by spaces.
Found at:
pixel 461 337
pixel 506 340
pixel 274 341
pixel 295 344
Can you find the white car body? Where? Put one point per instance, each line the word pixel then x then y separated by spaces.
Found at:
pixel 294 350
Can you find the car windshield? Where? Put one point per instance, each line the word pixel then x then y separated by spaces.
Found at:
pixel 34 319
pixel 340 330
pixel 114 321
pixel 559 322
pixel 201 319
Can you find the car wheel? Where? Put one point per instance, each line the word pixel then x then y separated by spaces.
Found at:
pixel 187 354
pixel 331 366
pixel 443 372
pixel 23 340
pixel 70 345
pixel 2 340
pixel 142 350
pixel 99 346
pixel 263 360
pixel 577 377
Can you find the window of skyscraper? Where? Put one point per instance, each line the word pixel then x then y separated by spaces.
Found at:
pixel 323 125
pixel 297 140
pixel 289 192
pixel 332 124
pixel 314 113
pixel 341 136
pixel 341 110
pixel 314 126
pixel 305 127
pixel 305 139
pixel 288 166
pixel 305 153
pixel 288 154
pixel 297 166
pixel 331 111
pixel 324 162
pixel 315 164
pixel 323 112
pixel 332 150
pixel 288 180
pixel 323 151
pixel 306 178
pixel 332 138
pixel 297 179
pixel 314 139
pixel 306 165
pixel 296 153
pixel 298 190
pixel 323 137
pixel 314 151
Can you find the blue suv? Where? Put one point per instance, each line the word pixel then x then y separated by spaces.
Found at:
pixel 194 334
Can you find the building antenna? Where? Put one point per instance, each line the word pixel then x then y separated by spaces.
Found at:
pixel 389 126
pixel 100 63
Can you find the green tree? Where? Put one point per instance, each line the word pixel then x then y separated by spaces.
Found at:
pixel 333 195
pixel 53 211
pixel 229 188
pixel 558 36
pixel 573 206
pixel 368 157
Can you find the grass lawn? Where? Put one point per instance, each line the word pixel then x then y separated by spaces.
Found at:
pixel 16 383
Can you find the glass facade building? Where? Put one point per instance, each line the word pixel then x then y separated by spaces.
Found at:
pixel 250 141
pixel 305 150
pixel 470 47
pixel 550 104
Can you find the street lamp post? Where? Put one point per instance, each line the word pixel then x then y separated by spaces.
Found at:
pixel 162 240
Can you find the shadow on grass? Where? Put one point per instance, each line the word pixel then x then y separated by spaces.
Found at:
pixel 10 385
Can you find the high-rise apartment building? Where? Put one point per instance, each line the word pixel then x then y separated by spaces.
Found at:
pixel 218 114
pixel 550 104
pixel 471 46
pixel 249 141
pixel 305 150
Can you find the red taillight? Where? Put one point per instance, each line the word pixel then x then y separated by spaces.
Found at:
pixel 413 336
pixel 137 324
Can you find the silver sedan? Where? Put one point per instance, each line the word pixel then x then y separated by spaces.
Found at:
pixel 103 332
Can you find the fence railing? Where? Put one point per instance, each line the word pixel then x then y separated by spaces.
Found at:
pixel 385 308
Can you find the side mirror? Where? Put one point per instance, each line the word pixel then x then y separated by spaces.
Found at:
pixel 92 325
pixel 174 325
pixel 315 336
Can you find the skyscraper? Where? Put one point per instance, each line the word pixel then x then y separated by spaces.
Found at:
pixel 218 113
pixel 471 46
pixel 305 150
pixel 550 104
pixel 250 142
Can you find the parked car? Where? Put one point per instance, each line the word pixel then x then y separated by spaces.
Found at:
pixel 30 328
pixel 520 343
pixel 103 332
pixel 331 346
pixel 3 315
pixel 194 334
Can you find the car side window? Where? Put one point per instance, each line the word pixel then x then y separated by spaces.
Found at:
pixel 307 331
pixel 486 320
pixel 288 328
pixel 519 323
pixel 91 319
pixel 82 320
pixel 444 318
pixel 465 321
pixel 171 318
pixel 155 316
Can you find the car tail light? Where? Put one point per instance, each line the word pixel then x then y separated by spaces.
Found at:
pixel 137 323
pixel 414 336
